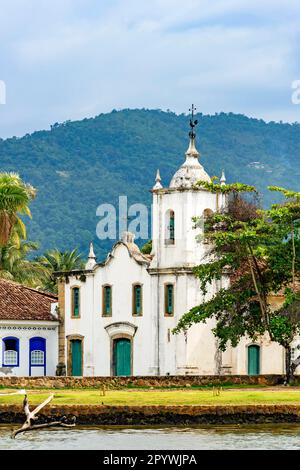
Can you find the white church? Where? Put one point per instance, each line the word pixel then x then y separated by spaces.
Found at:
pixel 116 318
pixel 118 315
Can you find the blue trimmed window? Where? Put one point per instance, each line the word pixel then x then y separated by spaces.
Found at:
pixel 137 300
pixel 76 302
pixel 37 351
pixel 169 299
pixel 11 352
pixel 106 301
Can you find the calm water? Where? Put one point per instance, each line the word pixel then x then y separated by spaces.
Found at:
pixel 185 438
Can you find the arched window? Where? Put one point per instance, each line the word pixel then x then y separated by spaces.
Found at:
pixel 37 351
pixel 170 228
pixel 10 352
pixel 137 299
pixel 106 301
pixel 207 213
pixel 75 302
pixel 169 299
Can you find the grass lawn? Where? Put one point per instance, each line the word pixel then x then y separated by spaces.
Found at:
pixel 159 397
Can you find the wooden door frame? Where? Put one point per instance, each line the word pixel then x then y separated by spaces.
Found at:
pixel 112 352
pixel 71 338
pixel 260 357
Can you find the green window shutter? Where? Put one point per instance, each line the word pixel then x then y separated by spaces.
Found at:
pixel 172 226
pixel 137 300
pixel 76 302
pixel 107 300
pixel 170 306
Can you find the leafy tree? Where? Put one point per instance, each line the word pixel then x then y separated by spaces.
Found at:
pixel 257 253
pixel 284 260
pixel 15 196
pixel 147 248
pixel 55 260
pixel 15 265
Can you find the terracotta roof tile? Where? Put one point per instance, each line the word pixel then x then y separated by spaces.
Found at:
pixel 18 302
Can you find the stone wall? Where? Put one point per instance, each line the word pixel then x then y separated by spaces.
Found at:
pixel 151 381
pixel 158 415
pixel 61 328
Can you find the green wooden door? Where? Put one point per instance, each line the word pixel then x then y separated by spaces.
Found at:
pixel 122 359
pixel 253 360
pixel 76 352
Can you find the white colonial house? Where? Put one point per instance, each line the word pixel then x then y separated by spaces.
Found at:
pixel 28 331
pixel 117 316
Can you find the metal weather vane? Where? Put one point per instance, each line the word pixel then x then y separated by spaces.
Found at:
pixel 193 122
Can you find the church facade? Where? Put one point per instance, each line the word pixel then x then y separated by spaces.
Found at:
pixel 117 316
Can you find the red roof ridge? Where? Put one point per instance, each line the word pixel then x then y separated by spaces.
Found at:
pixel 19 302
pixel 23 286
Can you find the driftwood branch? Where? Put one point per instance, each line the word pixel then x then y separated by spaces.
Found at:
pixel 31 417
pixel 41 426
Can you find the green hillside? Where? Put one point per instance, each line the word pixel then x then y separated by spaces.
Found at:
pixel 78 165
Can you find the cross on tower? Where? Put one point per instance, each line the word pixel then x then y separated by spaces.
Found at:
pixel 193 122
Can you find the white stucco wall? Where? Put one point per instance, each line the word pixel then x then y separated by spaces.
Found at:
pixel 121 272
pixel 155 350
pixel 186 205
pixel 24 330
pixel 272 357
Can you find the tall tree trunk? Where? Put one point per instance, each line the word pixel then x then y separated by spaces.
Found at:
pixel 288 364
pixel 293 258
pixel 261 300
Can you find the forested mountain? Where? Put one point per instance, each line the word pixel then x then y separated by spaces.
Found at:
pixel 78 165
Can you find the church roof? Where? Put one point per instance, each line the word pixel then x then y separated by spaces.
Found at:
pixel 191 170
pixel 18 302
pixel 133 249
pixel 127 241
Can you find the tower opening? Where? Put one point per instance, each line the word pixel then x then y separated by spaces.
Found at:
pixel 170 228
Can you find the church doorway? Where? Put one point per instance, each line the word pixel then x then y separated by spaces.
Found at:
pixel 253 360
pixel 122 356
pixel 76 357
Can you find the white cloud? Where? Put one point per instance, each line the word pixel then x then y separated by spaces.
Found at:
pixel 66 60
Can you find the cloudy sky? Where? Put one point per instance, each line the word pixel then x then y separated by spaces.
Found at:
pixel 70 59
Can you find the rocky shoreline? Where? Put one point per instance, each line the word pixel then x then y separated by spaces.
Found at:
pixel 106 415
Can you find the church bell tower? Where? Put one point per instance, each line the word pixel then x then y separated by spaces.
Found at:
pixel 175 240
pixel 177 247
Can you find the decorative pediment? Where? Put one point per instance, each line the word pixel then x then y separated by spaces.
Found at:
pixel 121 328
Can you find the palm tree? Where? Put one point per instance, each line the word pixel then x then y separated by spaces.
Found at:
pixel 15 196
pixel 55 260
pixel 15 265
